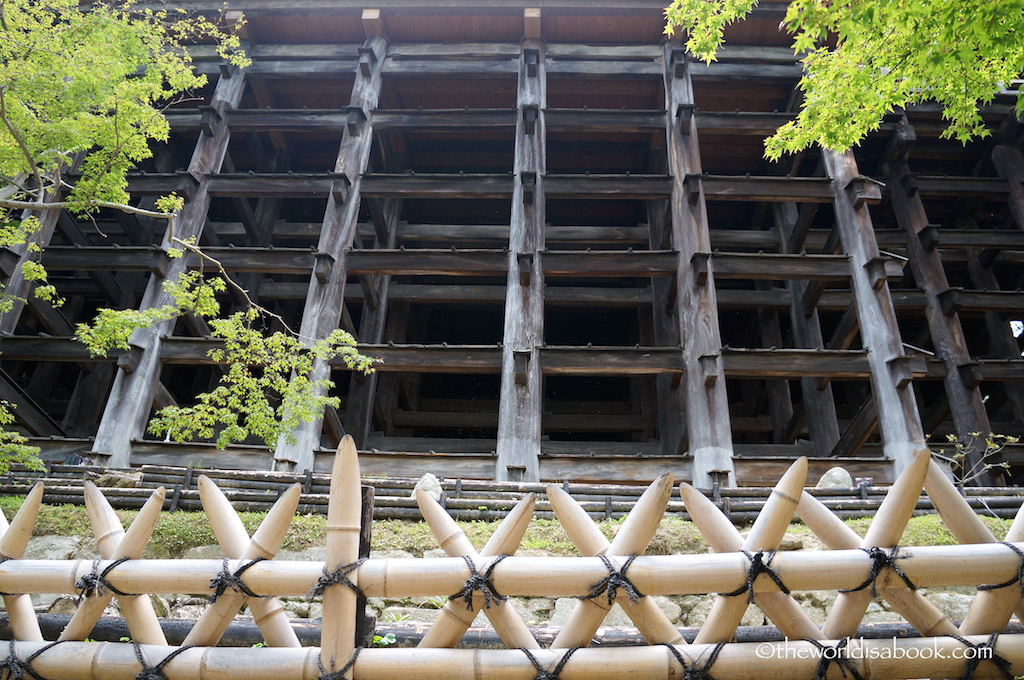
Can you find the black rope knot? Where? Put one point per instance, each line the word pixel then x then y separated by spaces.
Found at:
pixel 1018 579
pixel 96 583
pixel 154 672
pixel 760 563
pixel 702 672
pixel 882 558
pixel 14 668
pixel 233 580
pixel 481 583
pixel 338 674
pixel 979 654
pixel 545 673
pixel 611 583
pixel 834 654
pixel 338 577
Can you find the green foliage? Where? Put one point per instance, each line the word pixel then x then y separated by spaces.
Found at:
pixel 14 447
pixel 865 59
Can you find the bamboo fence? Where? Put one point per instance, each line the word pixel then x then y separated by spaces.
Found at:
pixel 741 571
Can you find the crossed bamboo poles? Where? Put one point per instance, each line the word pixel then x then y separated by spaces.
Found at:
pixel 118 575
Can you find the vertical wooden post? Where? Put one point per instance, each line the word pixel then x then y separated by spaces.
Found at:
pixel 521 401
pixel 671 406
pixel 325 299
pixel 128 404
pixel 819 405
pixel 898 418
pixel 965 403
pixel 707 406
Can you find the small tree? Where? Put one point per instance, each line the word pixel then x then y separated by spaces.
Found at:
pixel 86 89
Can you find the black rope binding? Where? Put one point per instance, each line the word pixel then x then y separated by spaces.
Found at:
pixel 154 672
pixel 478 582
pixel 544 673
pixel 1018 579
pixel 611 583
pixel 702 672
pixel 882 558
pixel 15 668
pixel 226 579
pixel 978 656
pixel 337 577
pixel 339 674
pixel 758 565
pixel 96 583
pixel 833 654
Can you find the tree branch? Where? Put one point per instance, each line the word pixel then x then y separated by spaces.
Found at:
pixel 21 145
pixel 61 205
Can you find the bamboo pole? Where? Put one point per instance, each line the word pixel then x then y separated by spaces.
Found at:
pixel 723 537
pixel 766 534
pixel 455 618
pixel 268 613
pixel 588 539
pixel 992 608
pixel 901 659
pixel 926 566
pixel 115 544
pixel 926 618
pixel 264 544
pixel 344 512
pixel 13 539
pixel 633 537
pixel 958 515
pixel 885 531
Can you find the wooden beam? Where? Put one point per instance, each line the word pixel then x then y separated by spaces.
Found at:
pixel 444 119
pixel 437 186
pixel 767 189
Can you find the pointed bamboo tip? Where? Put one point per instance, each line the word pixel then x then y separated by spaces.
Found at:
pixel 665 481
pixel 160 493
pixel 346 460
pixel 34 497
pixel 689 494
pixel 792 483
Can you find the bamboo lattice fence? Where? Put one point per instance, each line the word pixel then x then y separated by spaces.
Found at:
pixel 741 570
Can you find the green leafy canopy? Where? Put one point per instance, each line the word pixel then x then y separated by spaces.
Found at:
pixel 867 58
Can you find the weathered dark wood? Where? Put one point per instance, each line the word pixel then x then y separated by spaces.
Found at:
pixel 444 119
pixel 292 185
pixel 381 185
pixel 769 189
pixel 609 263
pixel 441 262
pixel 774 267
pixel 608 186
pixel 451 68
pixel 610 361
pixel 992 187
pixel 794 363
pixel 597 120
pixel 955 300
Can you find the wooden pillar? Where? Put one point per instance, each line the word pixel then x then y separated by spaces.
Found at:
pixel 521 397
pixel 128 405
pixel 947 335
pixel 671 429
pixel 819 404
pixel 707 406
pixel 898 418
pixel 325 299
pixel 363 390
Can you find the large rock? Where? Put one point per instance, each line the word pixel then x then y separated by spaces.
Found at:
pixel 430 485
pixel 953 605
pixel 835 478
pixel 696 616
pixel 52 548
pixel 204 552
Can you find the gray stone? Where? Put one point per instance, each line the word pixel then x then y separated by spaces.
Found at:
pixel 160 606
pixel 204 552
pixel 835 478
pixel 791 542
pixel 296 609
pixel 430 485
pixel 390 555
pixel 563 607
pixel 953 605
pixel 314 554
pixel 188 611
pixel 670 609
pixel 696 616
pixel 435 553
pixel 52 548
pixel 395 614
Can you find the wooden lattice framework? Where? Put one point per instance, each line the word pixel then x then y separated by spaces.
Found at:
pixel 560 236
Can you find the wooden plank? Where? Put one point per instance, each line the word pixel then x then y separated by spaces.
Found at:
pixel 382 185
pixel 291 185
pixel 775 266
pixel 993 187
pixel 602 69
pixel 605 263
pixel 960 300
pixel 628 361
pixel 796 363
pixel 769 189
pixel 741 122
pixel 451 67
pixel 628 186
pixel 464 262
pixel 602 120
pixel 444 119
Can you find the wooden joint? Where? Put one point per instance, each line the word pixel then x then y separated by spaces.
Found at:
pixel 950 300
pixel 525 261
pixel 323 263
pixel 373 22
pixel 883 269
pixel 209 120
pixel 928 238
pixel 709 368
pixel 679 61
pixel 531 23
pixel 520 365
pixel 355 120
pixel 530 115
pixel 684 112
pixel 677 379
pixel 340 187
pixel 187 185
pixel 225 70
pixel 692 185
pixel 863 189
pixel 901 371
pixel 367 59
pixel 909 183
pixel 970 374
pixel 531 57
pixel 529 186
pixel 701 265
pixel 516 473
pixel 8 261
pixel 129 361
